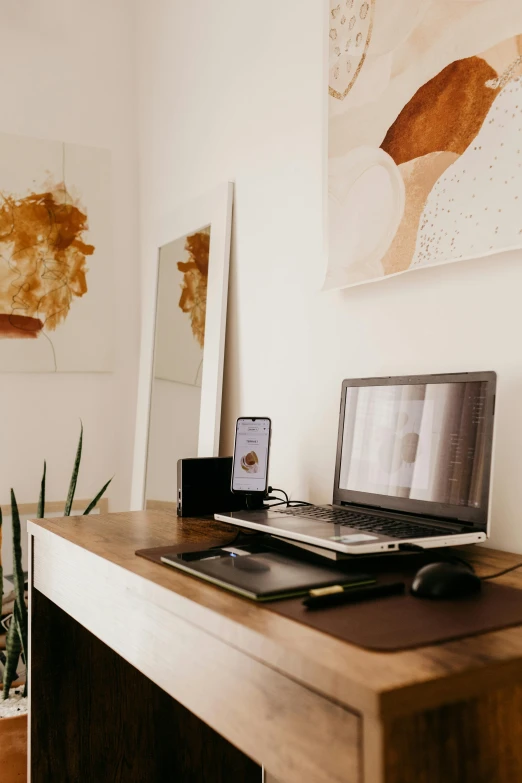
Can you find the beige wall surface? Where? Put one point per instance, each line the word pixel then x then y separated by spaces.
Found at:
pixel 236 90
pixel 69 76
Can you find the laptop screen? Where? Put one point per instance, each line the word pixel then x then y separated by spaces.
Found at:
pixel 423 442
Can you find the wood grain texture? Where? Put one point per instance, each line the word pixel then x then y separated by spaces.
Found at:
pixel 248 702
pixel 310 708
pixel 100 720
pixel 474 741
pixel 378 684
pixel 372 761
pixel 13 749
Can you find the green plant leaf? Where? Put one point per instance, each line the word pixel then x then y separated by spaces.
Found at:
pixel 18 574
pixel 19 627
pixel 93 502
pixel 17 616
pixel 41 501
pixel 74 477
pixel 13 648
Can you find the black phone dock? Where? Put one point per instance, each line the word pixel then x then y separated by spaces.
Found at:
pixel 256 501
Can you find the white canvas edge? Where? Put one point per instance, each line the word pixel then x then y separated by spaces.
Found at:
pixel 213 209
pixel 488 254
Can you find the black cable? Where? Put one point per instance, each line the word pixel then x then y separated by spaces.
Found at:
pixel 242 533
pixel 289 503
pixel 274 489
pixel 501 573
pixel 454 558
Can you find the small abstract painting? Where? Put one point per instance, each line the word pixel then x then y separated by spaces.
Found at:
pixel 56 279
pixel 181 309
pixel 424 134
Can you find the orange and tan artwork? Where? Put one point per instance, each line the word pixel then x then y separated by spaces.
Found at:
pixel 51 259
pixel 181 309
pixel 425 122
pixel 45 260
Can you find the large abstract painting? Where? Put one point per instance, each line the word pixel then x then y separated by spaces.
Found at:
pixel 56 284
pixel 424 134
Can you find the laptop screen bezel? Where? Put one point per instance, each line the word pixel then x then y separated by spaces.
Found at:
pixel 477 517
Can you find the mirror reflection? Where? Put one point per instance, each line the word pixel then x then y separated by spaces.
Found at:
pixel 178 363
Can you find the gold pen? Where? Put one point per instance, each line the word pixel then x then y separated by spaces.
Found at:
pixel 337 594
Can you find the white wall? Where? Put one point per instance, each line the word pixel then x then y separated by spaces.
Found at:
pixel 234 90
pixel 68 74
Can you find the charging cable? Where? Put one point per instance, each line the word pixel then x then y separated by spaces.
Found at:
pixel 286 502
pixel 406 547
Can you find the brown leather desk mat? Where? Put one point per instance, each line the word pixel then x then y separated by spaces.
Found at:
pixel 398 622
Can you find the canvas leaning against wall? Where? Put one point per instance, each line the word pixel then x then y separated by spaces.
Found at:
pixel 57 293
pixel 424 134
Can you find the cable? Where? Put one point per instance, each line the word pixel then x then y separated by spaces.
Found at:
pixel 501 573
pixel 455 558
pixel 287 501
pixel 290 504
pixel 274 489
pixel 242 533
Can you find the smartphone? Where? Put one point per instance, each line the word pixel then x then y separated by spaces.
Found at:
pixel 251 452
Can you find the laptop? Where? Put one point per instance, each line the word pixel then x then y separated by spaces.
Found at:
pixel 413 467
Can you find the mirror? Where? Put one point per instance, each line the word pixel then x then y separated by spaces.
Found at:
pixel 182 348
pixel 178 362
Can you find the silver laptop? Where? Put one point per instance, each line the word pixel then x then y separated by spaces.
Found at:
pixel 413 466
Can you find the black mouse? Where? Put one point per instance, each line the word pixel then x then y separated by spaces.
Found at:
pixel 445 580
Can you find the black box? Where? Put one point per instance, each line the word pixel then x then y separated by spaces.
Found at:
pixel 204 487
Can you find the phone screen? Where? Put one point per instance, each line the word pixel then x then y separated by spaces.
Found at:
pixel 251 447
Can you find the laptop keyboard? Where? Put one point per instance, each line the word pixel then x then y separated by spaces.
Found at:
pixel 394 528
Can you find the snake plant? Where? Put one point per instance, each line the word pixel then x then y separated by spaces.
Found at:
pixel 16 642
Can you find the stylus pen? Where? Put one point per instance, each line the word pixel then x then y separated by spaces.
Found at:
pixel 348 595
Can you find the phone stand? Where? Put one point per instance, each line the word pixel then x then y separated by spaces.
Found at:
pixel 256 502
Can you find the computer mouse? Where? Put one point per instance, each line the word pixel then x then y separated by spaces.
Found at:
pixel 445 580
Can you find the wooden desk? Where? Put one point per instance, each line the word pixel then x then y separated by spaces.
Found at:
pixel 217 685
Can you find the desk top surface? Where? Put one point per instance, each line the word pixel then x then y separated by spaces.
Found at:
pixel 364 681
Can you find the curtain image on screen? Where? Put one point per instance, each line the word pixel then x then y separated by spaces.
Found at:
pixel 424 442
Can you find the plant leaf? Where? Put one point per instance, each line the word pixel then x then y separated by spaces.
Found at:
pixel 18 618
pixel 19 627
pixel 41 502
pixel 18 574
pixel 93 502
pixel 74 477
pixel 13 648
